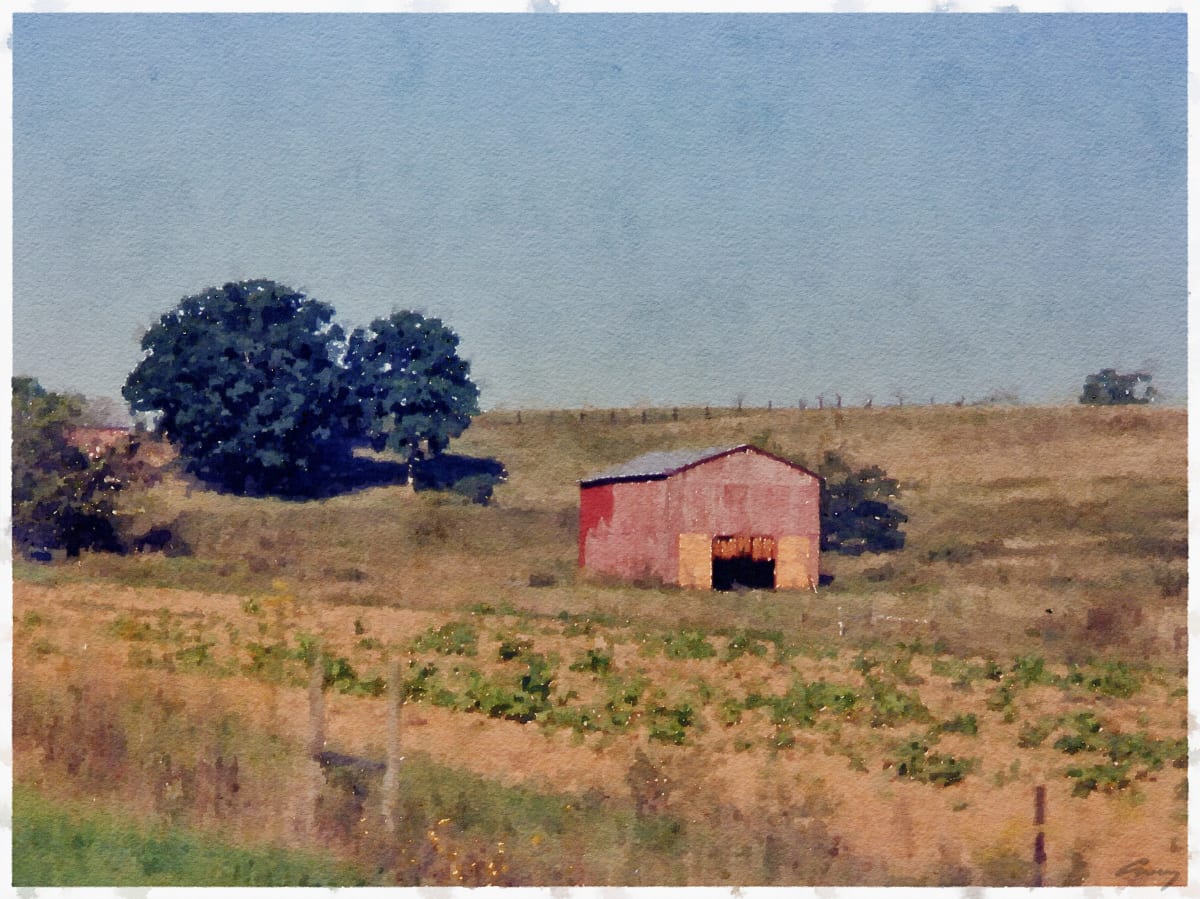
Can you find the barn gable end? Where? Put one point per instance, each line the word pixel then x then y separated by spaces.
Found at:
pixel 702 518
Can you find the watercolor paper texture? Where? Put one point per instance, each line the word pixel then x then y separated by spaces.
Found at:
pixel 617 450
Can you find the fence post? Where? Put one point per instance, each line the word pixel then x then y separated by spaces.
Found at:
pixel 316 705
pixel 1039 842
pixel 391 774
pixel 316 737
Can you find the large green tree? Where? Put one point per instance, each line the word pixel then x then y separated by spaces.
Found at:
pixel 263 394
pixel 412 391
pixel 248 387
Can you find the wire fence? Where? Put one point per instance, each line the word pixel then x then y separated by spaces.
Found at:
pixel 667 414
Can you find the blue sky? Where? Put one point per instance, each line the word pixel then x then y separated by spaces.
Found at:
pixel 622 209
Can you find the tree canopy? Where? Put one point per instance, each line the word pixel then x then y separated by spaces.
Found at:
pixel 1110 388
pixel 63 497
pixel 412 391
pixel 262 393
pixel 857 509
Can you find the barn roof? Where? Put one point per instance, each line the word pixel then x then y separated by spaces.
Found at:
pixel 663 463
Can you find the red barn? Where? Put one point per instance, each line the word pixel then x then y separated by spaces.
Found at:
pixel 711 518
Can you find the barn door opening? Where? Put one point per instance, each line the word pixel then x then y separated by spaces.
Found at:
pixel 740 561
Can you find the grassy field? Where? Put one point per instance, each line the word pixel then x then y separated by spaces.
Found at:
pixel 561 728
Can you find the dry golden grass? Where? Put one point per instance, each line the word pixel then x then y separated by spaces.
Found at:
pixel 1057 533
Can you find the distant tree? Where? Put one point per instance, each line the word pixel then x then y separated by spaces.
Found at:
pixel 63 497
pixel 411 391
pixel 248 385
pixel 857 514
pixel 1108 388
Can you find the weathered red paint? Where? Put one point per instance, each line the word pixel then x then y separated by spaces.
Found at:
pixel 631 528
pixel 595 507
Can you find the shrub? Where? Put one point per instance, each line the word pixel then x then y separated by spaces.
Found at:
pixel 1028 670
pixel 1126 755
pixel 196 654
pixel 729 712
pixel 539 677
pixel 497 701
pixel 1033 735
pixel 668 724
pixel 915 760
pixel 864 663
pixel 1105 778
pixel 595 660
pixel 417 686
pixel 512 648
pixel 62 496
pixel 802 702
pixel 741 643
pixel 961 724
pixel 856 515
pixel 623 698
pixel 890 706
pixel 962 673
pixel 688 645
pixel 1114 679
pixel 127 628
pixel 453 638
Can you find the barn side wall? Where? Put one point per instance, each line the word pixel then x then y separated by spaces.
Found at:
pixel 742 493
pixel 629 540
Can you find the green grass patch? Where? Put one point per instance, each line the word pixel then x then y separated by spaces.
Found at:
pixel 68 844
pixel 459 638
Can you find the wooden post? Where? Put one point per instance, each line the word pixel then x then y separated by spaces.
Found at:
pixel 391 775
pixel 316 740
pixel 518 416
pixel 675 414
pixel 643 416
pixel 1039 842
pixel 316 706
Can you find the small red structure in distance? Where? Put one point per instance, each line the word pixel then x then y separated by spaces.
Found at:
pixel 718 518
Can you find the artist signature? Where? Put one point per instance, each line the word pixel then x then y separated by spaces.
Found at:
pixel 1139 870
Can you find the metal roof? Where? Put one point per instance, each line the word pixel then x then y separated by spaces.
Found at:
pixel 659 464
pixel 664 463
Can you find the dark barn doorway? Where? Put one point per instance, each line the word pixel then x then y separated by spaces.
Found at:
pixel 739 561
